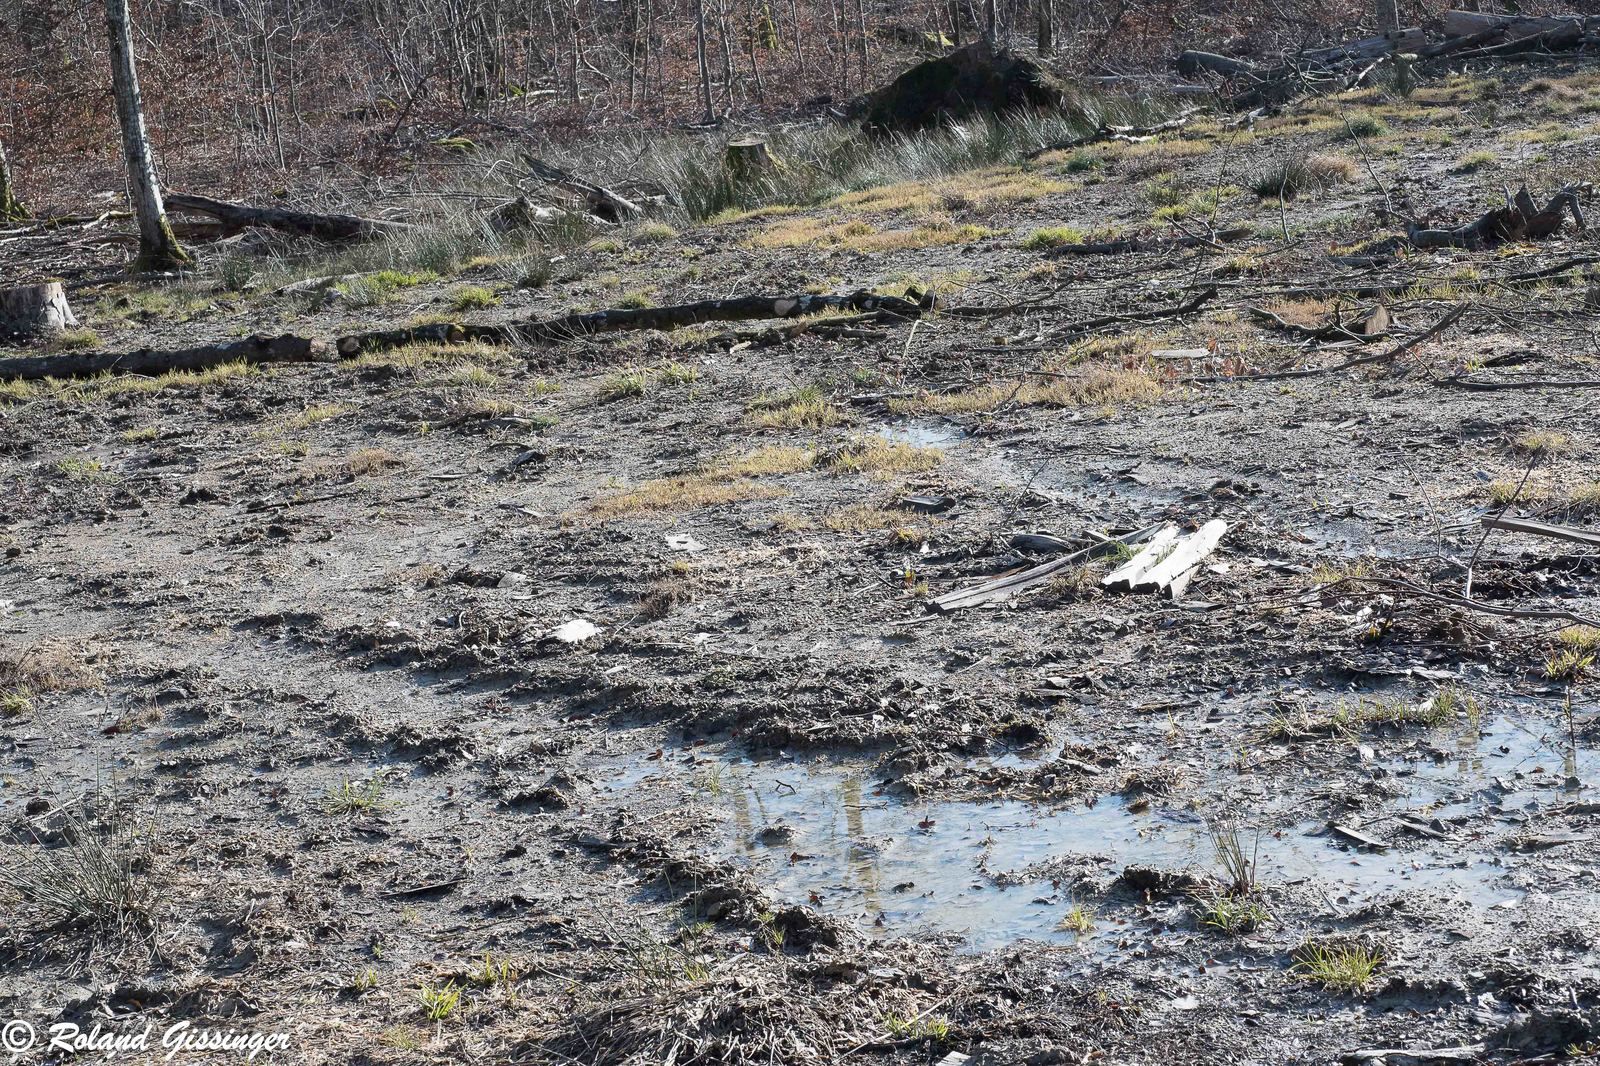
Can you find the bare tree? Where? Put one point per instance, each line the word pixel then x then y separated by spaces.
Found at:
pixel 1047 27
pixel 158 248
pixel 1388 14
pixel 700 54
pixel 11 208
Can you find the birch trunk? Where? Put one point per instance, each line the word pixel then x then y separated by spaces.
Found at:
pixel 700 53
pixel 11 208
pixel 158 248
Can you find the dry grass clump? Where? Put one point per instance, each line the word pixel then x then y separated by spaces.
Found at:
pixel 51 666
pixel 769 461
pixel 1505 491
pixel 1585 499
pixel 863 518
pixel 719 483
pixel 1095 387
pixel 976 191
pixel 880 455
pixel 416 356
pixel 1337 967
pixel 1298 174
pixel 1543 443
pixel 365 461
pixel 668 592
pixel 1309 313
pixel 804 408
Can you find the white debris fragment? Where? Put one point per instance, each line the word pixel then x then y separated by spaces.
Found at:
pixel 574 632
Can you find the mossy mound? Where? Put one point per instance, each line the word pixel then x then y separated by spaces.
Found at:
pixel 977 79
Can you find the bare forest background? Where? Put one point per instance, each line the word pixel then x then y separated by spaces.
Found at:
pixel 242 96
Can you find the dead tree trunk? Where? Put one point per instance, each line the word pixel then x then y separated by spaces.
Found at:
pixel 1047 27
pixel 158 247
pixel 1388 16
pixel 11 207
pixel 235 217
pixel 30 311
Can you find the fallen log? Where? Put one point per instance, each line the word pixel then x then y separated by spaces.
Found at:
pixel 1563 37
pixel 289 348
pixel 1368 48
pixel 1451 45
pixel 1193 63
pixel 30 311
pixel 1468 23
pixel 253 350
pixel 235 217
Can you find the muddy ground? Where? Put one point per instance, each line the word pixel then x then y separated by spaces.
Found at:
pixel 298 641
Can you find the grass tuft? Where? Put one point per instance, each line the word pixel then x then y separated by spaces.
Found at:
pixel 1337 967
pixel 804 408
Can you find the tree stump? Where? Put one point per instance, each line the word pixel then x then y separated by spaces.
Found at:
pixel 749 159
pixel 29 311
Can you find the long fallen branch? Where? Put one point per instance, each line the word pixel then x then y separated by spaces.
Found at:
pixel 1542 529
pixel 294 349
pixel 1467 381
pixel 1476 605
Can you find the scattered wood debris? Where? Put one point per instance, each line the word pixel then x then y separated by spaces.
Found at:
pixel 1009 584
pixel 1168 562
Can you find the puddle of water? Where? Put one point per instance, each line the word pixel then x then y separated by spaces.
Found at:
pixel 1530 755
pixel 924 434
pixel 897 868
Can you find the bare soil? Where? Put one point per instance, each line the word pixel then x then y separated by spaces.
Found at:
pixel 300 633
